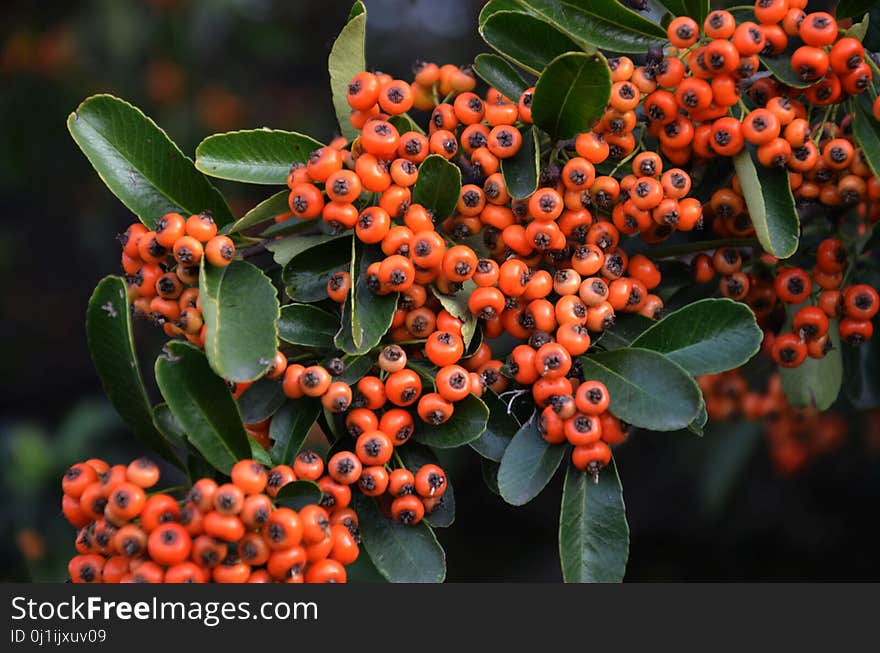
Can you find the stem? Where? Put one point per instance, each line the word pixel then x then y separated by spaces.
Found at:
pixel 818 137
pixel 701 246
pixel 398 459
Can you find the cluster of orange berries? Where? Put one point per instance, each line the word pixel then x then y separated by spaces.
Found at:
pixel 795 436
pixel 162 270
pixel 227 533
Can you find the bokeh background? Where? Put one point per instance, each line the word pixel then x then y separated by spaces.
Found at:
pixel 710 509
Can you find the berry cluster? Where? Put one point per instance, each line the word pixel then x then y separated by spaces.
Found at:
pixel 227 533
pixel 162 270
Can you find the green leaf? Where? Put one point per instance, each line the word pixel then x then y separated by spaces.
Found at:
pixel 201 402
pixel 254 156
pixel 404 123
pixel 307 272
pixel 268 209
pixel 438 186
pixel 366 317
pixel 496 72
pixel 780 65
pixel 489 470
pixel 290 426
pixel 457 306
pixel 867 131
pixel 414 456
pixel 494 6
pixel 169 426
pixel 467 423
pixel 284 249
pixel 521 171
pixel 307 325
pixel 647 389
pixel 815 382
pixel 593 533
pixel 108 327
pixel 528 464
pixel 346 60
pixel 859 30
pixel 140 164
pixel 357 9
pixel 356 368
pixel 862 374
pixel 571 94
pixel 770 203
pixel 696 9
pixel 258 453
pixel 299 494
pixel 500 429
pixel 626 328
pixel 706 337
pixel 606 24
pixel 402 554
pixel 853 8
pixel 526 40
pixel 240 308
pixel 260 401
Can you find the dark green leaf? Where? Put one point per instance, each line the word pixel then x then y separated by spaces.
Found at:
pixel 571 94
pixel 500 429
pixel 706 337
pixel 496 72
pixel 457 306
pixel 438 186
pixel 606 24
pixel 699 422
pixel 356 368
pixel 346 60
pixel 299 494
pixel 290 426
pixel 255 156
pixel 728 448
pixel 489 469
pixel 867 131
pixel 414 456
pixel 402 554
pixel 202 404
pixel 240 308
pixel 285 249
pixel 307 272
pixel 258 453
pixel 140 164
pixel 108 327
pixel 862 374
pixel 696 9
pixel 494 6
pixel 260 401
pixel 528 41
pixel 522 169
pixel 404 123
pixel 770 203
pixel 627 327
pixel 467 423
pixel 168 426
pixel 859 30
pixel 357 9
pixel 266 210
pixel 647 389
pixel 366 317
pixel 307 325
pixel 528 464
pixel 815 382
pixel 363 570
pixel 593 533
pixel 780 65
pixel 853 8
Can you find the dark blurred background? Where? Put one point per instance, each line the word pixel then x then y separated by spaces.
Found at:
pixel 199 67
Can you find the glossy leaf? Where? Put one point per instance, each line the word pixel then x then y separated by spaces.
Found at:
pixel 366 317
pixel 593 533
pixel 438 186
pixel 255 156
pixel 260 401
pixel 290 426
pixel 268 209
pixel 402 554
pixel 356 367
pixel 404 123
pixel 815 382
pixel 647 389
pixel 571 94
pixel 605 24
pixel 521 171
pixel 108 327
pixel 168 425
pixel 780 65
pixel 706 337
pixel 414 456
pixel 500 429
pixel 346 60
pixel 285 249
pixel 495 71
pixel 526 40
pixel 626 328
pixel 140 164
pixel 457 306
pixel 240 308
pixel 527 465
pixel 770 203
pixel 258 453
pixel 867 131
pixel 696 9
pixel 306 273
pixel 298 494
pixel 202 404
pixel 307 325
pixel 467 423
pixel 494 6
